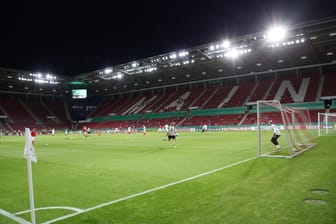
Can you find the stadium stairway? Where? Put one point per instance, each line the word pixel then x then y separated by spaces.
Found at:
pixel 6 114
pixel 133 107
pixel 210 97
pixel 196 99
pixel 1 126
pixel 158 108
pixel 34 116
pixel 228 97
pixel 252 92
pixel 243 119
pixel 57 120
pixel 9 127
pixel 320 88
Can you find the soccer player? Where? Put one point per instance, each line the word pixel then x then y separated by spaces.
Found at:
pixel 53 132
pixel 171 134
pixel 84 129
pixel 144 129
pixel 33 134
pixel 204 128
pixel 276 135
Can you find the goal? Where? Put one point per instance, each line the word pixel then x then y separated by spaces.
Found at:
pixel 326 124
pixel 294 124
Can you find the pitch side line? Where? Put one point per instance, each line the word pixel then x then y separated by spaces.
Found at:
pixel 13 217
pixel 148 191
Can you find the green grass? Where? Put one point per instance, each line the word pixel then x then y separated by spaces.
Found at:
pixel 83 173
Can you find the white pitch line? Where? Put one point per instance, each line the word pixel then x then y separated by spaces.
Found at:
pixel 51 207
pixel 13 217
pixel 148 191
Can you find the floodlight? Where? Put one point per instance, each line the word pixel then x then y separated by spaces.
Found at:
pixel 233 53
pixel 226 44
pixel 108 71
pixel 183 54
pixel 172 56
pixel 276 33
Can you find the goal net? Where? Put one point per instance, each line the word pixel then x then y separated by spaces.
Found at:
pixel 292 124
pixel 326 124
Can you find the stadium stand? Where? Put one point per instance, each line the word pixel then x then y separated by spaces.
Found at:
pixel 261 89
pixel 191 90
pixel 18 116
pixel 329 84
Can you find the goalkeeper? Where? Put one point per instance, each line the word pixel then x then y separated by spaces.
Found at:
pixel 276 135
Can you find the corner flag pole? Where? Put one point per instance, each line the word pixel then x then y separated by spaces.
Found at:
pixel 29 153
pixel 31 191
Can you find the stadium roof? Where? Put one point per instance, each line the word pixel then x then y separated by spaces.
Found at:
pixel 312 43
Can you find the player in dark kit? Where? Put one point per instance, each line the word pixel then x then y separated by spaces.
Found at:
pixel 276 135
pixel 171 134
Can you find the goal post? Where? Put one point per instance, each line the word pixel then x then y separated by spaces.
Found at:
pixel 326 123
pixel 293 125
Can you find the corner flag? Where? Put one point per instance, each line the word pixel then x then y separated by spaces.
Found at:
pixel 29 151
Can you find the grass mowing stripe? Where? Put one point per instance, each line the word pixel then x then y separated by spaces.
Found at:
pixel 148 191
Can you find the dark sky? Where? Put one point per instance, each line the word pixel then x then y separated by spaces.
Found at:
pixel 70 38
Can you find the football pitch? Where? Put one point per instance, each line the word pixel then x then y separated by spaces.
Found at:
pixel 212 177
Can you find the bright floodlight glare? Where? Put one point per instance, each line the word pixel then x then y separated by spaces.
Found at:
pixel 276 33
pixel 108 71
pixel 233 53
pixel 172 56
pixel 226 44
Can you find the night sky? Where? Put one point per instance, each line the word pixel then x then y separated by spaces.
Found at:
pixel 73 38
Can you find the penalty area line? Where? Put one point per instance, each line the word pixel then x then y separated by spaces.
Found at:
pixel 148 191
